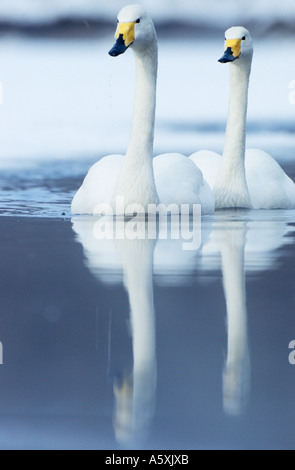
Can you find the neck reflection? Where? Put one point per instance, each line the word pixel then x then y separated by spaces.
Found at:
pixel 236 374
pixel 135 397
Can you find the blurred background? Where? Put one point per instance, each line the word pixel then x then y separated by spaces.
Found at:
pixel 64 97
pixel 71 17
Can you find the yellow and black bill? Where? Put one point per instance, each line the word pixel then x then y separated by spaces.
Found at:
pixel 232 51
pixel 124 38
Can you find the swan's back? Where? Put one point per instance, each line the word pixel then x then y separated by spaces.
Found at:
pixel 98 185
pixel 269 186
pixel 209 163
pixel 179 181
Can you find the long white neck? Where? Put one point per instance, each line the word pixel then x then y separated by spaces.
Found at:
pixel 136 183
pixel 142 133
pixel 236 367
pixel 231 188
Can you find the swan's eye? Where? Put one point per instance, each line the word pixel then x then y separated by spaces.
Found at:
pixel 243 38
pixel 138 21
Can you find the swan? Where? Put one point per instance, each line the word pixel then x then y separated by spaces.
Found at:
pixel 243 178
pixel 136 179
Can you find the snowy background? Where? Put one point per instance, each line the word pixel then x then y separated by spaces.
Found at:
pixel 64 97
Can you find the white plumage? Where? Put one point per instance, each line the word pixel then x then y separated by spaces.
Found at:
pixel 137 177
pixel 243 178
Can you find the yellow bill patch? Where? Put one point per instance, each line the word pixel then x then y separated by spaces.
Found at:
pixel 127 31
pixel 235 46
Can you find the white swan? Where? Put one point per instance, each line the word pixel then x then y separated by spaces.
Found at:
pixel 172 178
pixel 251 178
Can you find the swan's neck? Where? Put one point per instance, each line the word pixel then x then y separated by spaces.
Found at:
pixel 142 133
pixel 231 186
pixel 136 183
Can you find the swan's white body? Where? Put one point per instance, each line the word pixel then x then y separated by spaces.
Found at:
pixel 177 182
pixel 172 178
pixel 243 178
pixel 268 185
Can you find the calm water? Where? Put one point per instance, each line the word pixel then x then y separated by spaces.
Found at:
pixel 140 344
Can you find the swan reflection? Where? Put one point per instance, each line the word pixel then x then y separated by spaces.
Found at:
pixel 172 265
pixel 234 244
pixel 241 243
pixel 130 261
pixel 135 397
pixel 236 374
pixel 119 258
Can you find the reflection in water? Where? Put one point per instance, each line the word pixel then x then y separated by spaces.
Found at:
pixel 267 231
pixel 235 242
pixel 135 396
pixel 236 372
pixel 241 242
pixel 135 262
pixel 172 264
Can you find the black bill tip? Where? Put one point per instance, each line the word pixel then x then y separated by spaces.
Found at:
pixel 119 47
pixel 227 56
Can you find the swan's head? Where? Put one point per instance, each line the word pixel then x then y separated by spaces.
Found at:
pixel 238 44
pixel 135 28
